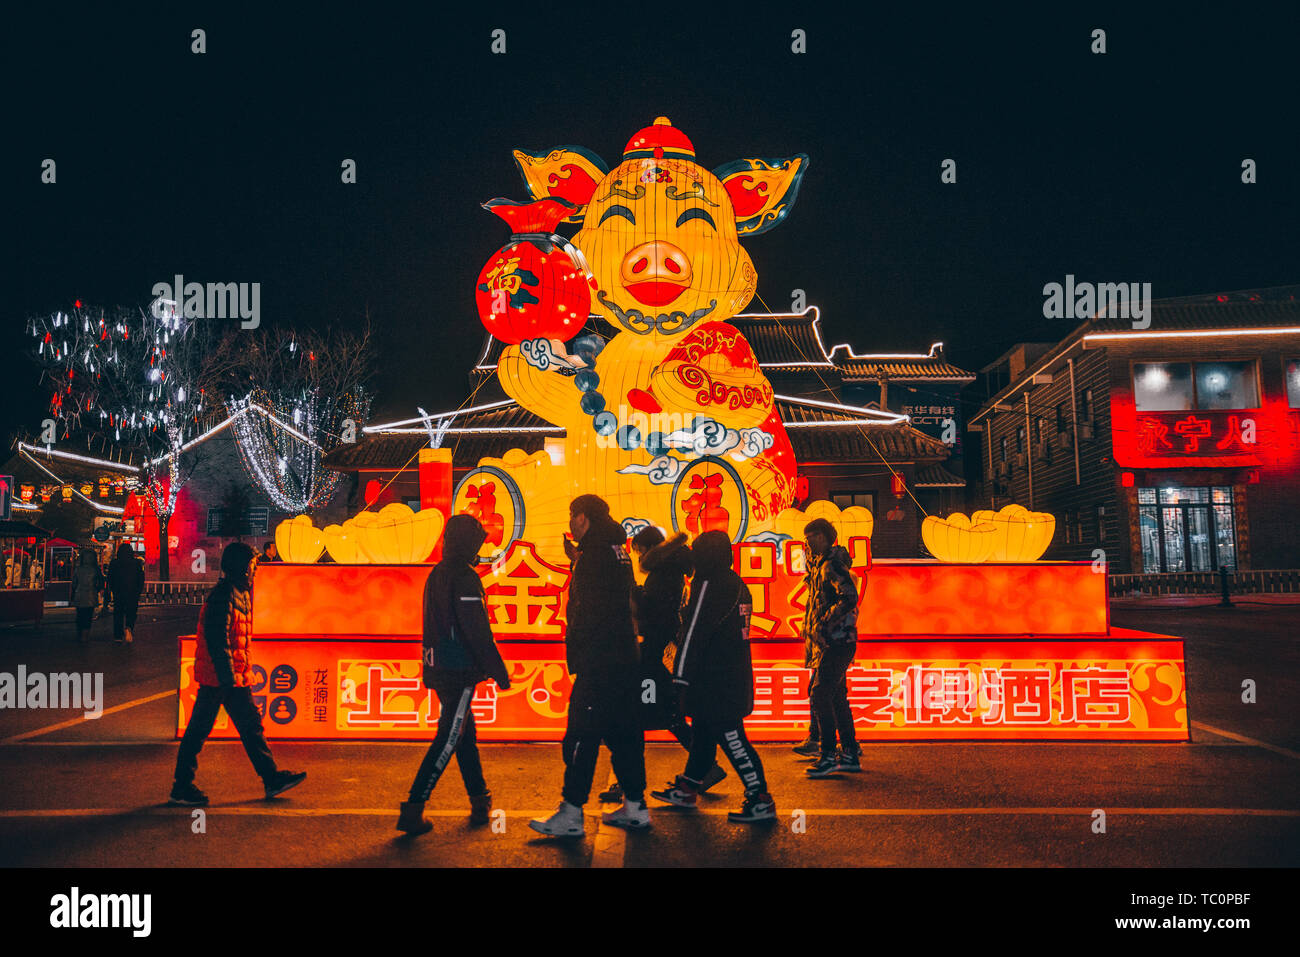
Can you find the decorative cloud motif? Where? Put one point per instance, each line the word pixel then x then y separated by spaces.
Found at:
pixel 634 525
pixel 663 470
pixel 706 436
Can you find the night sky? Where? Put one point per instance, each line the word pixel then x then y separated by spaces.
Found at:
pixel 226 166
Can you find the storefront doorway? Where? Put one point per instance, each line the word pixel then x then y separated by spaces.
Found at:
pixel 1187 529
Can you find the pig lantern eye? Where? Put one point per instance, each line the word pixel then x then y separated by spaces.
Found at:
pixel 690 214
pixel 618 211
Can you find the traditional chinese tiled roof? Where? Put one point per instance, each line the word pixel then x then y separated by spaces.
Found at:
pixel 894 443
pixel 1180 316
pixel 870 369
pixel 936 476
pixel 816 433
pixel 471 436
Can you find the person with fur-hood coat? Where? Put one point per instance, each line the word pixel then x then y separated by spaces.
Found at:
pixel 657 611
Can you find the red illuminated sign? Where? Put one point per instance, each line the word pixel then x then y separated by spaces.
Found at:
pixel 1129 688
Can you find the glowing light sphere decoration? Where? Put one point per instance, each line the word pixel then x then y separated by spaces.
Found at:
pixel 668 418
pixel 537 286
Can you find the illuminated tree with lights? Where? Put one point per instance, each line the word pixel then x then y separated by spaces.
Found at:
pixel 296 397
pixel 141 377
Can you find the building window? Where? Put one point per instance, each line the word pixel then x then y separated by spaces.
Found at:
pixel 1004 450
pixel 1101 523
pixel 1079 527
pixel 1293 383
pixel 1163 386
pixel 1069 533
pixel 1062 422
pixel 1187 529
pixel 866 500
pixel 1085 404
pixel 1180 386
pixel 1038 430
pixel 1020 440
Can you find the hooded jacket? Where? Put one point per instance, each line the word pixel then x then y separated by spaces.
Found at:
pixel 457 634
pixel 125 576
pixel 600 638
pixel 831 610
pixel 657 605
pixel 713 655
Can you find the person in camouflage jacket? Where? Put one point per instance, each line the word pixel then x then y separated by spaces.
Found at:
pixel 831 629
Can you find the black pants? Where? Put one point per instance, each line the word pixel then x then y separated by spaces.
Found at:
pixel 829 694
pixel 603 709
pixel 124 616
pixel 456 735
pixel 239 706
pixel 741 754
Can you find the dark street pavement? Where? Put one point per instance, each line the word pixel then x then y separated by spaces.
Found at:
pixel 90 793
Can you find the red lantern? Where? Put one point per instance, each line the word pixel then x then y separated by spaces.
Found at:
pixel 538 285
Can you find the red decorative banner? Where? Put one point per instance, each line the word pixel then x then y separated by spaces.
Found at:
pixel 527 596
pixel 1132 687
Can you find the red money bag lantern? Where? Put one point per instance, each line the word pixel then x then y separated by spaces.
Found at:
pixel 537 286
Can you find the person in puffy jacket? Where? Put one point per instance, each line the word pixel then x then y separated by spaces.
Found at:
pixel 600 646
pixel 125 583
pixel 831 624
pixel 716 671
pixel 87 583
pixel 223 668
pixel 458 653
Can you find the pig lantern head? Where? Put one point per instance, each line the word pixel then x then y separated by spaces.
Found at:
pixel 660 233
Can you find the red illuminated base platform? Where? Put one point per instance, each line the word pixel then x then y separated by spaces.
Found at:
pixel 979 652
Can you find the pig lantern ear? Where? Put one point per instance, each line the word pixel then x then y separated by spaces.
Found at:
pixel 566 172
pixel 762 190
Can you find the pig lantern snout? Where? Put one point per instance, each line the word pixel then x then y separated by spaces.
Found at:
pixel 656 272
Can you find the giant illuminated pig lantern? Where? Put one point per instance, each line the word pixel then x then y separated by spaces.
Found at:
pixel 672 421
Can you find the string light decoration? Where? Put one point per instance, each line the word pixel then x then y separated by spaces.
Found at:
pixel 138 376
pixel 303 395
pixel 282 439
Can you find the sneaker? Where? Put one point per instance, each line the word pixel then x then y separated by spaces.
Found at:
pixel 613 795
pixel 758 807
pixel 283 781
pixel 681 793
pixel 565 822
pixel 633 815
pixel 824 767
pixel 809 749
pixel 187 795
pixel 714 775
pixel 850 761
